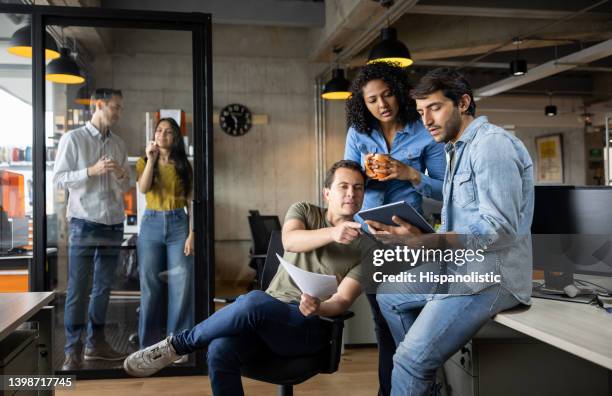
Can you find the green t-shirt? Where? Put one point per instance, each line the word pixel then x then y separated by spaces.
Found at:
pixel 331 259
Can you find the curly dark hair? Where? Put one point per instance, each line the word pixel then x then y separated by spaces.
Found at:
pixel 357 114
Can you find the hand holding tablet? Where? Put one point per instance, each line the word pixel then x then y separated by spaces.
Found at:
pixel 384 214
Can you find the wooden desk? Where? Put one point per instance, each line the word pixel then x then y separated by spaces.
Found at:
pixel 554 348
pixel 17 308
pixel 580 329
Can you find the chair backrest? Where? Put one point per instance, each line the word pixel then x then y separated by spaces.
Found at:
pixel 261 229
pixel 271 264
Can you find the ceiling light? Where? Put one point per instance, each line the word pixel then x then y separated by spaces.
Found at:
pixel 518 66
pixel 83 96
pixel 337 88
pixel 551 109
pixel 20 44
pixel 64 69
pixel 390 49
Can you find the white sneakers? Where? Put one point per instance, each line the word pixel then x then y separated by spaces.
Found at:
pixel 151 359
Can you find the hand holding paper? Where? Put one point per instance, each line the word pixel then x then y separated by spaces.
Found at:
pixel 316 285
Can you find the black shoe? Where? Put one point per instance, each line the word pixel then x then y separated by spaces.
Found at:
pixel 72 362
pixel 103 351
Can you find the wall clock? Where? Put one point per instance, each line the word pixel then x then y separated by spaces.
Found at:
pixel 235 119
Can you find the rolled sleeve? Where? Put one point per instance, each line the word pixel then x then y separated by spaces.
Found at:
pixel 435 161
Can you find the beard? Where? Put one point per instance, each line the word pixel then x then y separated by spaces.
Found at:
pixel 452 126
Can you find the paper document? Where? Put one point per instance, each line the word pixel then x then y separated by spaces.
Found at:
pixel 316 285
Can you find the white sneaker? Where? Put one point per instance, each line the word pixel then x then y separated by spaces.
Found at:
pixel 151 359
pixel 182 359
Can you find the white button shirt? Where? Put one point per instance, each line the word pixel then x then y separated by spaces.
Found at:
pixel 93 198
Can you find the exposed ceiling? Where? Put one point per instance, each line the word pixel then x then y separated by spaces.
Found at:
pixel 294 13
pixel 474 35
pixel 568 45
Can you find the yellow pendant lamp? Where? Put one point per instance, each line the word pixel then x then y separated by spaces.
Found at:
pixel 64 69
pixel 83 96
pixel 337 88
pixel 390 49
pixel 20 44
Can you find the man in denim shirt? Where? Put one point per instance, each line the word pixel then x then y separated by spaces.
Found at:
pixel 488 205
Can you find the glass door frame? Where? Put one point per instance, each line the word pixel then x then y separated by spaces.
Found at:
pixel 200 26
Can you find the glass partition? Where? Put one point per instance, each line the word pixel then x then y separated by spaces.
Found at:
pixel 122 233
pixel 120 193
pixel 16 137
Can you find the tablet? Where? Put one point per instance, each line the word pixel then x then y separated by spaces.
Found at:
pixel 384 213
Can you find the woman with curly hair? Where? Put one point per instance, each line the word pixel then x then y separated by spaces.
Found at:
pixel 387 138
pixel 165 241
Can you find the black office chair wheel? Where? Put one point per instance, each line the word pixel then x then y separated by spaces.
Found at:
pixel 133 339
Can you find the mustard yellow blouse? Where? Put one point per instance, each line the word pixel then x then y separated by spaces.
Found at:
pixel 167 190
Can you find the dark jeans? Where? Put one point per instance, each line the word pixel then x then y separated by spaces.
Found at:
pixel 386 347
pixel 255 325
pixel 93 248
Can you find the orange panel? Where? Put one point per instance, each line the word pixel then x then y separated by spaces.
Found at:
pixel 129 199
pixel 12 190
pixel 13 283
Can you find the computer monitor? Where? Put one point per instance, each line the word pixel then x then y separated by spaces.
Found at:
pixel 572 229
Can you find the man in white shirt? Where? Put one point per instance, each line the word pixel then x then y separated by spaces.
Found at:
pixel 92 164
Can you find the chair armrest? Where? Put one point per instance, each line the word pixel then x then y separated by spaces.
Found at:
pixel 332 358
pixel 338 318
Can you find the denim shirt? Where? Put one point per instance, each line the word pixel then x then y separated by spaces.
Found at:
pixel 413 146
pixel 488 200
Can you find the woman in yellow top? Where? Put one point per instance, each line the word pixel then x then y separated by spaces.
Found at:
pixel 165 241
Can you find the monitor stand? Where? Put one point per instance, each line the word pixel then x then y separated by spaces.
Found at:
pixel 554 288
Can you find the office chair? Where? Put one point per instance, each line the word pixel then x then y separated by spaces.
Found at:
pixel 261 229
pixel 288 371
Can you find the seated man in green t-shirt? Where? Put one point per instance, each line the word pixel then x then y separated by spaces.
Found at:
pixel 281 320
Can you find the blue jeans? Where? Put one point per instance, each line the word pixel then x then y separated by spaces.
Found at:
pixel 255 325
pixel 428 330
pixel 386 347
pixel 92 247
pixel 161 245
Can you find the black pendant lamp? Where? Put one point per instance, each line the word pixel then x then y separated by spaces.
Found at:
pixel 64 69
pixel 551 109
pixel 337 88
pixel 20 44
pixel 390 49
pixel 518 66
pixel 83 96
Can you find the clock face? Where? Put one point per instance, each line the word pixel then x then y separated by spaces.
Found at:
pixel 235 119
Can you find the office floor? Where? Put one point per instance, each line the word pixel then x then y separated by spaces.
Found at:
pixel 357 376
pixel 121 322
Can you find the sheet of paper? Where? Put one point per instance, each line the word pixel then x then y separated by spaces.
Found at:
pixel 316 285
